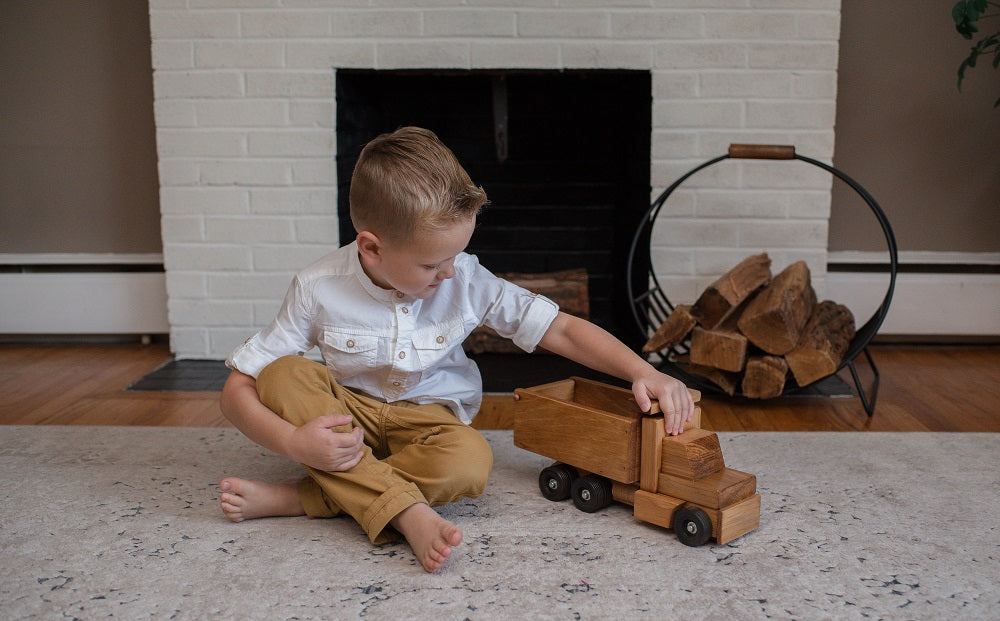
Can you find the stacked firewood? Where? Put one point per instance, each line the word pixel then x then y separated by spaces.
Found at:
pixel 748 330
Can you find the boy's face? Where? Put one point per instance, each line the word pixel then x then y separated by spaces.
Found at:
pixel 418 266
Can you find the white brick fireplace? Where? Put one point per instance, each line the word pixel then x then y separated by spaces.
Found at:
pixel 246 136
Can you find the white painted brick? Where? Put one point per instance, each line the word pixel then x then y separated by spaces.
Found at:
pixel 750 25
pixel 787 175
pixel 315 171
pixel 679 288
pixel 422 54
pixel 186 284
pixel 182 201
pixel 177 171
pixel 658 25
pixel 199 257
pixel 318 230
pixel 793 55
pixel 330 53
pixel 809 204
pixel 245 172
pixel 469 23
pixel 680 261
pixel 697 113
pixel 224 340
pixel 736 203
pixel 292 142
pixel 194 24
pixel 563 24
pixel 284 24
pixel 377 23
pixel 675 84
pixel 700 55
pixel 172 55
pixel 606 55
pixel 814 84
pixel 209 312
pixel 714 262
pixel 816 144
pixel 312 113
pixel 183 84
pixel 791 114
pixel 740 84
pixel 183 228
pixel 783 234
pixel 233 286
pixel 249 230
pixel 174 113
pixel 674 144
pixel 685 232
pixel 824 26
pixel 301 201
pixel 190 342
pixel 516 54
pixel 240 112
pixel 264 311
pixel 290 84
pixel 239 54
pixel 284 257
pixel 200 142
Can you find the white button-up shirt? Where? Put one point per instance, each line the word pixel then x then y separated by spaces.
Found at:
pixel 392 346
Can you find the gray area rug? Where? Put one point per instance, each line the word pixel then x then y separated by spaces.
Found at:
pixel 100 522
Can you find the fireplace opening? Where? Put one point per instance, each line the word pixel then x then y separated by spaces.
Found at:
pixel 563 157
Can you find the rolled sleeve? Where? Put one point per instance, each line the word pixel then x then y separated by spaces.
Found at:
pixel 288 334
pixel 538 316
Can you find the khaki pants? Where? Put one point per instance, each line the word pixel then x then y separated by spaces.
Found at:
pixel 413 453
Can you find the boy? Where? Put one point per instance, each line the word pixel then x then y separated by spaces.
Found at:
pixel 382 427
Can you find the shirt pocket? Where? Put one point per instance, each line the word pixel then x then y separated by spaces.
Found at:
pixel 435 343
pixel 348 353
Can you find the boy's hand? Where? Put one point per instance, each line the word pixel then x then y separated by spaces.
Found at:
pixel 674 397
pixel 327 443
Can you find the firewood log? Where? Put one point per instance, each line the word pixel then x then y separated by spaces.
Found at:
pixel 726 294
pixel 774 319
pixel 673 330
pixel 824 342
pixel 764 377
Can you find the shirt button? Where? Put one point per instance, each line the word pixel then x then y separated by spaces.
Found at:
pixel 350 343
pixel 402 355
pixel 399 295
pixel 439 340
pixel 397 384
pixel 405 310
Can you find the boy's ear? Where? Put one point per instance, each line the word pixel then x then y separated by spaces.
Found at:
pixel 369 247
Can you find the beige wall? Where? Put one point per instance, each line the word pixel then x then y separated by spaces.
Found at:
pixel 928 154
pixel 77 143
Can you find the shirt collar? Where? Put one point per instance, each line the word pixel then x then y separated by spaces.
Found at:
pixel 380 294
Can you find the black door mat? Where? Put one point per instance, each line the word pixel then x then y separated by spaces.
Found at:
pixel 501 373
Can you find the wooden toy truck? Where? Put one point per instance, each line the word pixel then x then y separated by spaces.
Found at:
pixel 607 449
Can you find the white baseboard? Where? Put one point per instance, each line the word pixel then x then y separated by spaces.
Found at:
pixel 922 304
pixel 83 303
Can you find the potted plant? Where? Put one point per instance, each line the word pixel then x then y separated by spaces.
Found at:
pixel 967 14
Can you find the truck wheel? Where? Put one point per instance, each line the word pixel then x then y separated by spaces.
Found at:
pixel 556 481
pixel 692 526
pixel 591 493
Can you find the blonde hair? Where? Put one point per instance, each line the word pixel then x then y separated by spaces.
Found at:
pixel 407 181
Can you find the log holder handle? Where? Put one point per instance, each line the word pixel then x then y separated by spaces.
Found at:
pixel 651 307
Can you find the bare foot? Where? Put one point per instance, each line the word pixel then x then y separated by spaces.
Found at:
pixel 431 536
pixel 242 499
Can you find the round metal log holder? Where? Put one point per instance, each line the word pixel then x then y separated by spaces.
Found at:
pixel 651 307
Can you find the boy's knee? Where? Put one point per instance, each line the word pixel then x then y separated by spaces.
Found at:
pixel 476 464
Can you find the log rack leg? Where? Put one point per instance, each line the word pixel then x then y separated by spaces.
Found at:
pixel 868 405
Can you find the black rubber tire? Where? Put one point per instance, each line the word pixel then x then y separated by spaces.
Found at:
pixel 556 481
pixel 591 493
pixel 692 526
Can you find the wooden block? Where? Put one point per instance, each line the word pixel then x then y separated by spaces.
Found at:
pixel 737 519
pixel 717 490
pixel 655 508
pixel 592 439
pixel 727 293
pixel 764 377
pixel 692 455
pixel 652 453
pixel 824 342
pixel 720 349
pixel 672 331
pixel 775 318
pixel 624 492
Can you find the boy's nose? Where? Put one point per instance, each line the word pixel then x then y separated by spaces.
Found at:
pixel 447 271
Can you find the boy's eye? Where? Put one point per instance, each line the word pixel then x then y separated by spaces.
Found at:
pixel 432 267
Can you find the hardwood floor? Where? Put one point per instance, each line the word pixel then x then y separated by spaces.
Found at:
pixel 923 388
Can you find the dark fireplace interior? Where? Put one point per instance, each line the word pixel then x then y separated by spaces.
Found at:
pixel 563 157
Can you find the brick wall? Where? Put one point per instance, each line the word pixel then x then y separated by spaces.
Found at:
pixel 244 104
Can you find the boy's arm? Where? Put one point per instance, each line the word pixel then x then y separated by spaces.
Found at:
pixel 592 346
pixel 313 444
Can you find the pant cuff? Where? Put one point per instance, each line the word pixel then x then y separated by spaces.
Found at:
pixel 314 501
pixel 390 504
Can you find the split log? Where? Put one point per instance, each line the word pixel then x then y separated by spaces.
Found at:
pixel 568 288
pixel 764 377
pixel 774 319
pixel 725 380
pixel 726 294
pixel 673 330
pixel 824 342
pixel 724 349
